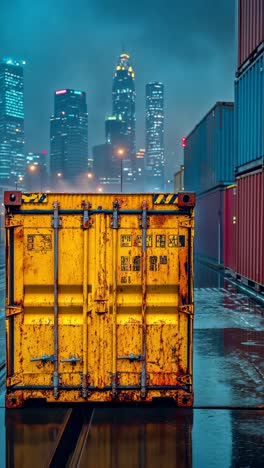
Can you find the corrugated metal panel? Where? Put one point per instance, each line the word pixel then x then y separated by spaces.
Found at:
pixel 250 28
pixel 179 180
pixel 229 227
pixel 249 245
pixel 209 225
pixel 100 297
pixel 249 112
pixel 209 151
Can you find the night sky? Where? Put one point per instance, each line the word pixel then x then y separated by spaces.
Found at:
pixel 189 45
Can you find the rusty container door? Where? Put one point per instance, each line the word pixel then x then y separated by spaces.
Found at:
pixel 100 297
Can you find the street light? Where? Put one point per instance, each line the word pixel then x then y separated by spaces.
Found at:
pixel 19 179
pixel 37 170
pixel 31 169
pixel 121 154
pixel 168 182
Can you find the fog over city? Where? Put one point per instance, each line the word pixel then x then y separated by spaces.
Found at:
pixel 189 47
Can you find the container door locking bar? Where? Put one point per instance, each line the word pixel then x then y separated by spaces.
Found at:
pixel 44 358
pixel 132 357
pixel 115 225
pixel 86 225
pixel 56 224
pixel 144 225
pixel 73 360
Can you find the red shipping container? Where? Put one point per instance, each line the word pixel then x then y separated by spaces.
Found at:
pixel 229 227
pixel 249 231
pixel 250 28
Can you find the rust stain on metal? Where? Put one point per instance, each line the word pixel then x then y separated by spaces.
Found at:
pixel 151 294
pixel 160 220
pixel 14 400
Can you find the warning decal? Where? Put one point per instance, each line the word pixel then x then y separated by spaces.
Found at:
pixel 167 199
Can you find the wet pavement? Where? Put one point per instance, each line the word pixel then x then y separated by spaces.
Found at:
pixel 226 426
pixel 174 438
pixel 141 437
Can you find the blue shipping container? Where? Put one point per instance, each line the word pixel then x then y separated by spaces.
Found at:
pixel 209 151
pixel 249 115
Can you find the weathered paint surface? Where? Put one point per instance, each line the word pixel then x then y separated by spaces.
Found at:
pixel 229 226
pixel 250 28
pixel 209 153
pixel 249 116
pixel 209 235
pixel 249 243
pixel 125 309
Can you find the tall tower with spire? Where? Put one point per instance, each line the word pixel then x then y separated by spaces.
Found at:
pixel 124 97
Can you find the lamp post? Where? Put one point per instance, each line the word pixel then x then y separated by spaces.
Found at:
pixel 32 169
pixel 20 179
pixel 168 182
pixel 57 181
pixel 89 176
pixel 121 153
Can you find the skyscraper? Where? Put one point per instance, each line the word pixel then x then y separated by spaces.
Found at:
pixel 12 157
pixel 69 135
pixel 155 136
pixel 114 130
pixel 124 97
pixel 114 135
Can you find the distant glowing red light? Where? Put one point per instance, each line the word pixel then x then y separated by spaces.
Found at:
pixel 61 91
pixel 184 140
pixel 44 152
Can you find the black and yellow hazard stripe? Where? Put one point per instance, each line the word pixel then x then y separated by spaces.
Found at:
pixel 167 199
pixel 34 198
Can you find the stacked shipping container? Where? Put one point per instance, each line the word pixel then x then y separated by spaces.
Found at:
pixel 230 220
pixel 209 225
pixel 209 168
pixel 249 148
pixel 179 180
pixel 250 30
pixel 249 242
pixel 229 226
pixel 208 155
pixel 249 102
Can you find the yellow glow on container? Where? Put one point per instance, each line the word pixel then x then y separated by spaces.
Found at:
pixel 125 297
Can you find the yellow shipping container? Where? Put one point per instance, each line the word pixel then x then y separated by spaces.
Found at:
pixel 99 300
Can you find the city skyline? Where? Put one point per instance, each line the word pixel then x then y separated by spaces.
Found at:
pixel 185 46
pixel 68 153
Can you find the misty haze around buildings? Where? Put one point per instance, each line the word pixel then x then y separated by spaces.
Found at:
pixel 115 165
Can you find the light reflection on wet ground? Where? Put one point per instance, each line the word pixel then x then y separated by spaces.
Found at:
pixel 147 438
pixel 228 372
pixel 175 438
pixel 228 346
